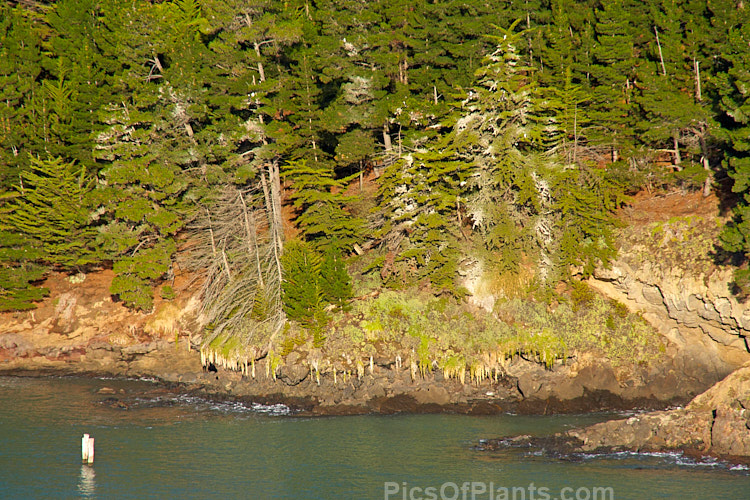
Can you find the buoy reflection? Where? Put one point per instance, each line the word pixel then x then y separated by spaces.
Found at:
pixel 87 481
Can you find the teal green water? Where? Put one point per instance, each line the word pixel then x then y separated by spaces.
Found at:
pixel 171 446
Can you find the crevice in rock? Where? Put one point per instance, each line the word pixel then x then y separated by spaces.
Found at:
pixel 289 382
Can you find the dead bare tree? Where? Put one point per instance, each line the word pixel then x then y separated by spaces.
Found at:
pixel 235 247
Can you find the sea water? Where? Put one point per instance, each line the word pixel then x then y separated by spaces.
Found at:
pixel 155 443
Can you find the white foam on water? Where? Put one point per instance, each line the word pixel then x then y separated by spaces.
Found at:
pixel 220 406
pixel 675 457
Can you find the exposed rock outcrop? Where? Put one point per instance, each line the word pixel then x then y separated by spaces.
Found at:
pixel 716 422
pixel 666 271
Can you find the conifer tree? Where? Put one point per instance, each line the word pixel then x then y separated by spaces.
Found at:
pixel 418 217
pixel 53 205
pixel 78 78
pixel 671 112
pixel 296 120
pixel 493 168
pixel 321 204
pixel 20 68
pixel 499 134
pixel 612 76
pixel 19 265
pixel 302 294
pixel 154 146
pixel 335 282
pixel 735 103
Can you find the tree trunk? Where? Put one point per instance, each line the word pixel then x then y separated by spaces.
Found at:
pixel 661 57
pixel 575 134
pixel 261 71
pixel 273 227
pixel 697 69
pixel 677 156
pixel 252 238
pixel 276 199
pixel 709 178
pixel 387 138
pixel 706 165
pixel 210 232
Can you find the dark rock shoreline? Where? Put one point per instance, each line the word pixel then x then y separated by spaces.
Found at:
pixel 715 423
pixel 387 389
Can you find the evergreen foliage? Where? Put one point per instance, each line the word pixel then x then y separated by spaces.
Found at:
pixel 20 69
pixel 311 282
pixel 499 133
pixel 53 206
pixel 303 293
pixel 19 271
pixel 17 289
pixel 480 147
pixel 493 165
pixel 612 74
pixel 419 207
pixel 335 282
pixel 318 197
pixel 735 103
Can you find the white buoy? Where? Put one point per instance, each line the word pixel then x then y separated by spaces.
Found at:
pixel 87 449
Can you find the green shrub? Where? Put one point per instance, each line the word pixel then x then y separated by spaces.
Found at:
pixel 581 294
pixel 167 292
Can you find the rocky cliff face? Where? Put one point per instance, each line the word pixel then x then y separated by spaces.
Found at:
pixel 666 271
pixel 82 330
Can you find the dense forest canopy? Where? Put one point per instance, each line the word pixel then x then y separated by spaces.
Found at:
pixel 501 132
